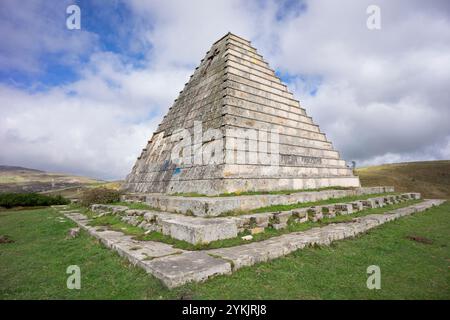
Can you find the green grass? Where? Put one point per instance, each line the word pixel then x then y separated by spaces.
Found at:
pixel 34 266
pixel 114 222
pixel 252 193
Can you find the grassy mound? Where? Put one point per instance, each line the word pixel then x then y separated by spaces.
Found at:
pixel 430 178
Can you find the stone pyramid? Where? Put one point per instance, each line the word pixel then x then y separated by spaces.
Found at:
pixel 235 127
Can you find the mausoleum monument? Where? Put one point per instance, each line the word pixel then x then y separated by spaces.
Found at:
pixel 235 127
pixel 236 131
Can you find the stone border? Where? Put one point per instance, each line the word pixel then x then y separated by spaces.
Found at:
pixel 214 206
pixel 176 267
pixel 199 230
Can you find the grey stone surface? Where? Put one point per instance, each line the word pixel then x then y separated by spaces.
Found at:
pixel 177 270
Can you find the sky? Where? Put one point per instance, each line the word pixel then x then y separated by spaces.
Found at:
pixel 85 101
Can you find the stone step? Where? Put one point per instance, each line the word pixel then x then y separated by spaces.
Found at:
pixel 268 118
pixel 233 50
pixel 242 43
pixel 256 124
pixel 214 187
pixel 243 50
pixel 283 138
pixel 242 171
pixel 293 114
pixel 261 93
pixel 258 85
pixel 214 206
pixel 253 75
pixel 233 63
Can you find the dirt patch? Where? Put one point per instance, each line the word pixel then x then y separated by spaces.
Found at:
pixel 5 239
pixel 420 239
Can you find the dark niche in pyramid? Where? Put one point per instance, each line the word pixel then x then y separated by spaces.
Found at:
pixel 235 127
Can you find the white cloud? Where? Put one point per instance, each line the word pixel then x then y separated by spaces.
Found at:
pixel 33 30
pixel 381 95
pixel 95 126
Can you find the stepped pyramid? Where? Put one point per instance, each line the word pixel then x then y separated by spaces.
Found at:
pixel 234 94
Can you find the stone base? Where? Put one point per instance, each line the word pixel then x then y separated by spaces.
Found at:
pixel 214 206
pixel 200 230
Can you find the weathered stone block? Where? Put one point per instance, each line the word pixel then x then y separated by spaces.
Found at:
pixel 357 206
pixel 202 231
pixel 315 214
pixel 278 226
pixel 301 215
pixel 343 208
pixel 369 203
pixel 282 217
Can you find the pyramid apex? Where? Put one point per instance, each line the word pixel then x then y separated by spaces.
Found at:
pixel 231 34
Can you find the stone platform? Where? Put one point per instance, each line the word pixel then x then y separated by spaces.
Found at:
pixel 200 230
pixel 175 267
pixel 214 206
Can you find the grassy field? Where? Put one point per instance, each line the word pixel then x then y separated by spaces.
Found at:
pixel 431 178
pixel 34 266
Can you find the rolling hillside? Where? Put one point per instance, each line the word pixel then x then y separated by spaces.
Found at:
pixel 431 178
pixel 19 179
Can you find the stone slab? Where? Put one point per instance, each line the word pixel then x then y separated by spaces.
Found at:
pixel 177 270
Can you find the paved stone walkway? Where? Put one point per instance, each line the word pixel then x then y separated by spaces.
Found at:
pixel 175 267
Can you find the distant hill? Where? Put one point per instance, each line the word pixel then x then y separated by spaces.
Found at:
pixel 19 179
pixel 14 168
pixel 431 178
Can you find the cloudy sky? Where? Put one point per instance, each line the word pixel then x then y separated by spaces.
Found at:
pixel 86 101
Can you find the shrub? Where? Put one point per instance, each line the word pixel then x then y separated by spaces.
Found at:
pixel 10 200
pixel 99 195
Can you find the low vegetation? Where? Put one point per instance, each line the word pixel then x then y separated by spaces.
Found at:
pixel 11 200
pixel 99 196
